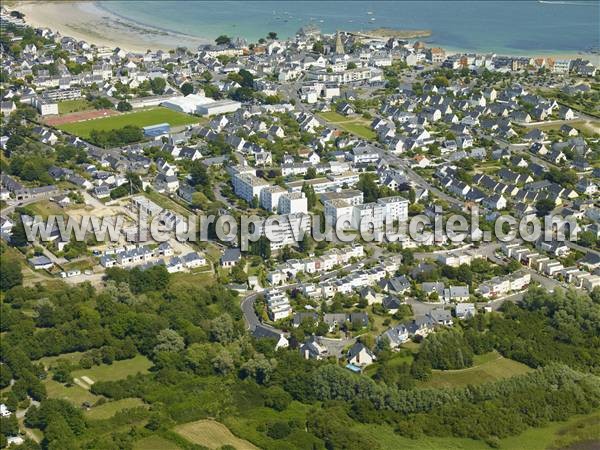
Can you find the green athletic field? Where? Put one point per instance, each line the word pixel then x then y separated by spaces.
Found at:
pixel 142 118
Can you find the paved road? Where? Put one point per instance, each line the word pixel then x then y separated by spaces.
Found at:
pixel 247 303
pixel 291 90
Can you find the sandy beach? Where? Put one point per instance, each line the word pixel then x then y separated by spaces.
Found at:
pixel 89 21
pixel 85 20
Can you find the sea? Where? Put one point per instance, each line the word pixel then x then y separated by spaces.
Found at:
pixel 504 27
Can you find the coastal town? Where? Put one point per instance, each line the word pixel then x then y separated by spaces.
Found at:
pixel 334 126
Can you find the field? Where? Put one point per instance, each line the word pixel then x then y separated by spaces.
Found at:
pixel 74 394
pixel 355 125
pixel 109 409
pixel 72 358
pixel 71 106
pixel 211 434
pixel 586 127
pixel 395 361
pixel 116 371
pixel 154 443
pixel 165 202
pixel 74 117
pixel 44 208
pixel 141 118
pixel 488 367
pixel 556 435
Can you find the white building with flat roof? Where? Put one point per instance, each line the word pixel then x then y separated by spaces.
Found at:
pixel 248 186
pixel 287 230
pixel 270 197
pixel 218 107
pixel 396 208
pixel 278 305
pixel 188 104
pixel 369 215
pixel 337 209
pixel 292 203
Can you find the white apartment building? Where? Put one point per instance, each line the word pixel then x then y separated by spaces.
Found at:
pixel 396 208
pixel 278 305
pixel 248 186
pixel 369 215
pixel 337 208
pixel 46 107
pixel 270 197
pixel 287 230
pixel 292 203
pixel 561 66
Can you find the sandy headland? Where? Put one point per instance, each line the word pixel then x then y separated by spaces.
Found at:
pixel 88 21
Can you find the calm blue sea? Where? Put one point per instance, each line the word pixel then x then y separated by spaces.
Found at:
pixel 506 27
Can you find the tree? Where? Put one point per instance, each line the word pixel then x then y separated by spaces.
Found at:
pixel 206 76
pixel 446 350
pixel 187 88
pixel 272 35
pixel 18 237
pixel 368 186
pixel 544 207
pixel 222 329
pixel 318 47
pixel 10 275
pixel 158 85
pixel 169 341
pixel 351 65
pixel 223 40
pixel 247 79
pixel 587 239
pixel 199 174
pixel 124 105
pixel 311 173
pixel 238 274
pixel 311 196
pixel 259 368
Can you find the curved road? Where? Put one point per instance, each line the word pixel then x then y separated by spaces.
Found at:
pixel 247 303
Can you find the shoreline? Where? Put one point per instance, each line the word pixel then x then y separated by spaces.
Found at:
pixel 89 21
pixel 92 22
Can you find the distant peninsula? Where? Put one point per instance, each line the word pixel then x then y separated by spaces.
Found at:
pixel 394 33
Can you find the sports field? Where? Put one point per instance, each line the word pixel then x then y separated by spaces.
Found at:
pixel 140 118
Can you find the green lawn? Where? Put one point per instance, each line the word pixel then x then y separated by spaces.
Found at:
pixel 488 367
pixel 203 278
pixel 74 394
pixel 587 127
pixel 165 202
pixel 558 435
pixel 109 409
pixel 396 360
pixel 76 105
pixel 115 371
pixel 73 358
pixel 44 209
pixel 211 434
pixel 141 118
pixel 353 124
pixel 553 436
pixel 154 443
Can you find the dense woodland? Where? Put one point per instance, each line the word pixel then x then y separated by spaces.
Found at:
pixel 205 364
